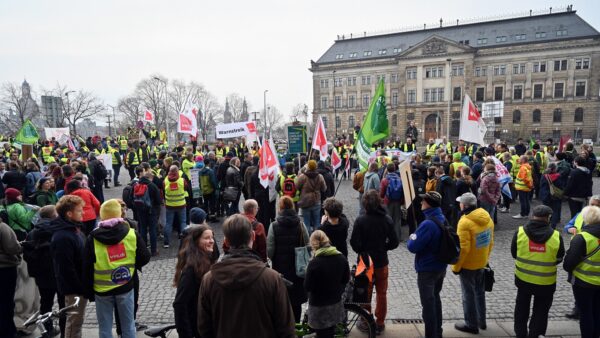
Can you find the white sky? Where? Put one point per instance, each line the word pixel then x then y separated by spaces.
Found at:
pixel 229 46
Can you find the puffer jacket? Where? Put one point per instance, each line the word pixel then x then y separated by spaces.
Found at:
pixel 311 185
pixel 489 188
pixel 476 233
pixel 91 208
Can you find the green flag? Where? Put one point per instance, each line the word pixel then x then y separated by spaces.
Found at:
pixel 375 127
pixel 27 134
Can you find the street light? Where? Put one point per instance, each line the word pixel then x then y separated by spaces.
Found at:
pixel 334 107
pixel 265 109
pixel 448 93
pixel 68 105
pixel 114 118
pixel 166 117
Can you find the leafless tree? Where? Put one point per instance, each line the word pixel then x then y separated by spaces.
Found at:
pixel 15 109
pixel 152 95
pixel 236 107
pixel 274 118
pixel 300 112
pixel 210 113
pixel 131 108
pixel 80 106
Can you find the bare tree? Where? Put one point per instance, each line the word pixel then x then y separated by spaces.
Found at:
pixel 16 107
pixel 210 113
pixel 152 95
pixel 300 112
pixel 83 105
pixel 236 107
pixel 274 118
pixel 131 108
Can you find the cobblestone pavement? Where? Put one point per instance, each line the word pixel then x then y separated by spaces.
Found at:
pixel 157 293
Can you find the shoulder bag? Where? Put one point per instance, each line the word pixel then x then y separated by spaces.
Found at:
pixel 302 254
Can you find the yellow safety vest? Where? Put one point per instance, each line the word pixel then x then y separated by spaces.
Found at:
pixel 282 179
pixel 163 136
pixel 520 184
pixel 174 193
pixel 543 161
pixel 123 143
pixel 115 153
pixel 186 166
pixel 115 264
pixel 514 171
pixel 578 222
pixel 152 134
pixel 589 269
pixel 47 154
pixel 406 148
pixel 470 150
pixel 535 262
pixel 221 152
pixel 430 150
pixel 141 153
pixel 456 166
pixel 136 159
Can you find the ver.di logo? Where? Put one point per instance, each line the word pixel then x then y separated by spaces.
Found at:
pixel 120 275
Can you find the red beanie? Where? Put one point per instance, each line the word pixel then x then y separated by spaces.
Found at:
pixel 11 195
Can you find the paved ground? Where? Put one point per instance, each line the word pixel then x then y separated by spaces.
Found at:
pixel 403 300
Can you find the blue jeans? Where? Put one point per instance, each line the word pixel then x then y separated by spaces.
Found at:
pixel 525 202
pixel 430 285
pixel 104 313
pixel 472 284
pixel 311 216
pixel 169 226
pixel 489 208
pixel 148 223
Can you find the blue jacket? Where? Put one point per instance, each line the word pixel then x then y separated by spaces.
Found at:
pixel 425 242
pixel 571 224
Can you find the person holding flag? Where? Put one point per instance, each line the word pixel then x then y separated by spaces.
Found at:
pixel 375 127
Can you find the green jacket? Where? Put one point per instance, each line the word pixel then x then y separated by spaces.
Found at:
pixel 43 198
pixel 19 218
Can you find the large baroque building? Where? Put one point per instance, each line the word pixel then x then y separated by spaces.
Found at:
pixel 544 67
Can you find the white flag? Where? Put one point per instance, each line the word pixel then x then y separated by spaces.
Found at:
pixel 472 126
pixel 319 141
pixel 187 123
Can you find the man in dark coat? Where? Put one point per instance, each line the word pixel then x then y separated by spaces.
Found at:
pixel 99 173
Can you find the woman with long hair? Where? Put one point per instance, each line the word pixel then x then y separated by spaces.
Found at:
pixel 193 261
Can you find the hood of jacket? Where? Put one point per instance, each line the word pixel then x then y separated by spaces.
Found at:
pixel 44 226
pixel 288 218
pixel 379 211
pixel 144 180
pixel 584 169
pixel 538 231
pixel 111 235
pixel 478 216
pixel 60 223
pixel 173 176
pixel 311 174
pixel 435 213
pixel 446 179
pixel 370 174
pixel 238 269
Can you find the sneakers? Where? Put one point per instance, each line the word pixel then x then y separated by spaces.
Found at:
pixel 140 327
pixel 464 328
pixel 519 216
pixel 166 246
pixel 503 210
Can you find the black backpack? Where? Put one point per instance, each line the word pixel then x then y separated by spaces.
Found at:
pixel 36 252
pixel 449 243
pixel 128 195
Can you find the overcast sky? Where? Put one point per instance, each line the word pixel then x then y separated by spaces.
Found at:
pixel 229 46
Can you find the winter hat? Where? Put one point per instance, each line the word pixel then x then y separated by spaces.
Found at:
pixel 110 209
pixel 312 165
pixel 197 216
pixel 199 158
pixel 433 198
pixel 152 163
pixel 456 156
pixel 11 195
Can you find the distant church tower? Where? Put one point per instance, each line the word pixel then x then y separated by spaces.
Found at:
pixel 244 117
pixel 227 118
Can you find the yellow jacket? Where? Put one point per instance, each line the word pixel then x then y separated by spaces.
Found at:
pixel 476 233
pixel 524 180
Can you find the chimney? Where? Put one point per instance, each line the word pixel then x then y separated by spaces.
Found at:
pixel 550 10
pixel 365 32
pixel 441 22
pixel 530 12
pixel 424 26
pixel 457 22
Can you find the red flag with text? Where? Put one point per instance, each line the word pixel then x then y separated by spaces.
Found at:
pixel 320 140
pixel 148 116
pixel 336 161
pixel 472 126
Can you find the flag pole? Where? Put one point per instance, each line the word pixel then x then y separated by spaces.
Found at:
pixel 340 180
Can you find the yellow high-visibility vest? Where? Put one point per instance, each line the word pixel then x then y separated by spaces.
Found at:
pixel 535 262
pixel 175 193
pixel 589 269
pixel 115 264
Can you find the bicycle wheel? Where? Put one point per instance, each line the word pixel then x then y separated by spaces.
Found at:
pixel 358 323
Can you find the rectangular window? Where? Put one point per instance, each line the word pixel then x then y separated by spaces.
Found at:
pixel 351 101
pixel 433 94
pixel 480 94
pixel 519 68
pixel 482 41
pixel 352 55
pixel 382 51
pixel 338 122
pixel 366 80
pixel 582 63
pixel 325 83
pixel 411 96
pixel 324 118
pixel 397 50
pixel 458 70
pixel 324 102
pixel 411 73
pixel 498 93
pixel 351 81
pixel 580 88
pixel 517 92
pixel 559 90
pixel 520 37
pixel 367 53
pixel 338 102
pixel 339 56
pixel 561 32
pixel 366 100
pixel 456 94
pixel 394 99
pixel 380 77
pixel 434 72
pixel 427 95
pixel 539 67
pixel 394 78
pixel 500 70
pixel 501 38
pixel 538 91
pixel 560 65
pixel 338 82
pixel 540 35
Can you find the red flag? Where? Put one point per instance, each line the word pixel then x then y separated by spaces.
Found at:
pixel 563 141
pixel 336 161
pixel 148 116
pixel 347 167
pixel 70 144
pixel 320 140
pixel 472 126
pixel 268 166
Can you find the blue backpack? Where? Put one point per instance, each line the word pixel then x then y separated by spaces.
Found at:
pixel 394 190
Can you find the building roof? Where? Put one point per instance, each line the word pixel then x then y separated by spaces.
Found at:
pixel 512 29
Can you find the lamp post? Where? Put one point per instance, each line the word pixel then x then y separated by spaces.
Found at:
pixel 265 110
pixel 165 110
pixel 334 107
pixel 448 93
pixel 114 118
pixel 68 105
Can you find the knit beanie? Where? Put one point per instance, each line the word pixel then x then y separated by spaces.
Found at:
pixel 110 209
pixel 456 156
pixel 11 195
pixel 312 165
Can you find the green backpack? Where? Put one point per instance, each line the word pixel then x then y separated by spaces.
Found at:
pixel 205 185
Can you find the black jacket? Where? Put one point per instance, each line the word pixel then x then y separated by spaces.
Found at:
pixel 329 183
pixel 14 179
pixel 579 183
pixel 185 304
pixel 374 234
pixel 447 188
pixel 67 247
pixel 538 232
pixel 111 236
pixel 36 252
pixel 338 234
pixel 289 231
pixel 577 252
pixel 233 178
pixel 153 191
pixel 326 278
pixel 98 171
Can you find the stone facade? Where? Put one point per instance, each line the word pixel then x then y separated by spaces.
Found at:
pixel 429 79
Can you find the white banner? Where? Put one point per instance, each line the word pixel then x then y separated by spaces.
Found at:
pixel 393 152
pixel 59 134
pixel 236 129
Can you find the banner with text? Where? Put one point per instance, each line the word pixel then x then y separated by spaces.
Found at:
pixel 236 129
pixel 59 134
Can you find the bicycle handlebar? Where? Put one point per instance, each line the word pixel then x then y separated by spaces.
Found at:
pixel 38 318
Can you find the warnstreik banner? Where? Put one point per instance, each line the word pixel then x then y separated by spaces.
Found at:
pixel 236 129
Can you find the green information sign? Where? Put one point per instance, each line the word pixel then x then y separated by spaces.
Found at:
pixel 297 140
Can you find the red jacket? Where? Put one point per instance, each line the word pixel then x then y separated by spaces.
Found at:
pixel 91 209
pixel 260 238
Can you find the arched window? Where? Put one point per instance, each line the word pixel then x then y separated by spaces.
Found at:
pixel 351 121
pixel 536 116
pixel 394 120
pixel 557 115
pixel 517 116
pixel 579 115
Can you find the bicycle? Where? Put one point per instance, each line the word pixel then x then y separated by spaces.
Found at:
pixel 159 331
pixel 40 319
pixel 355 317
